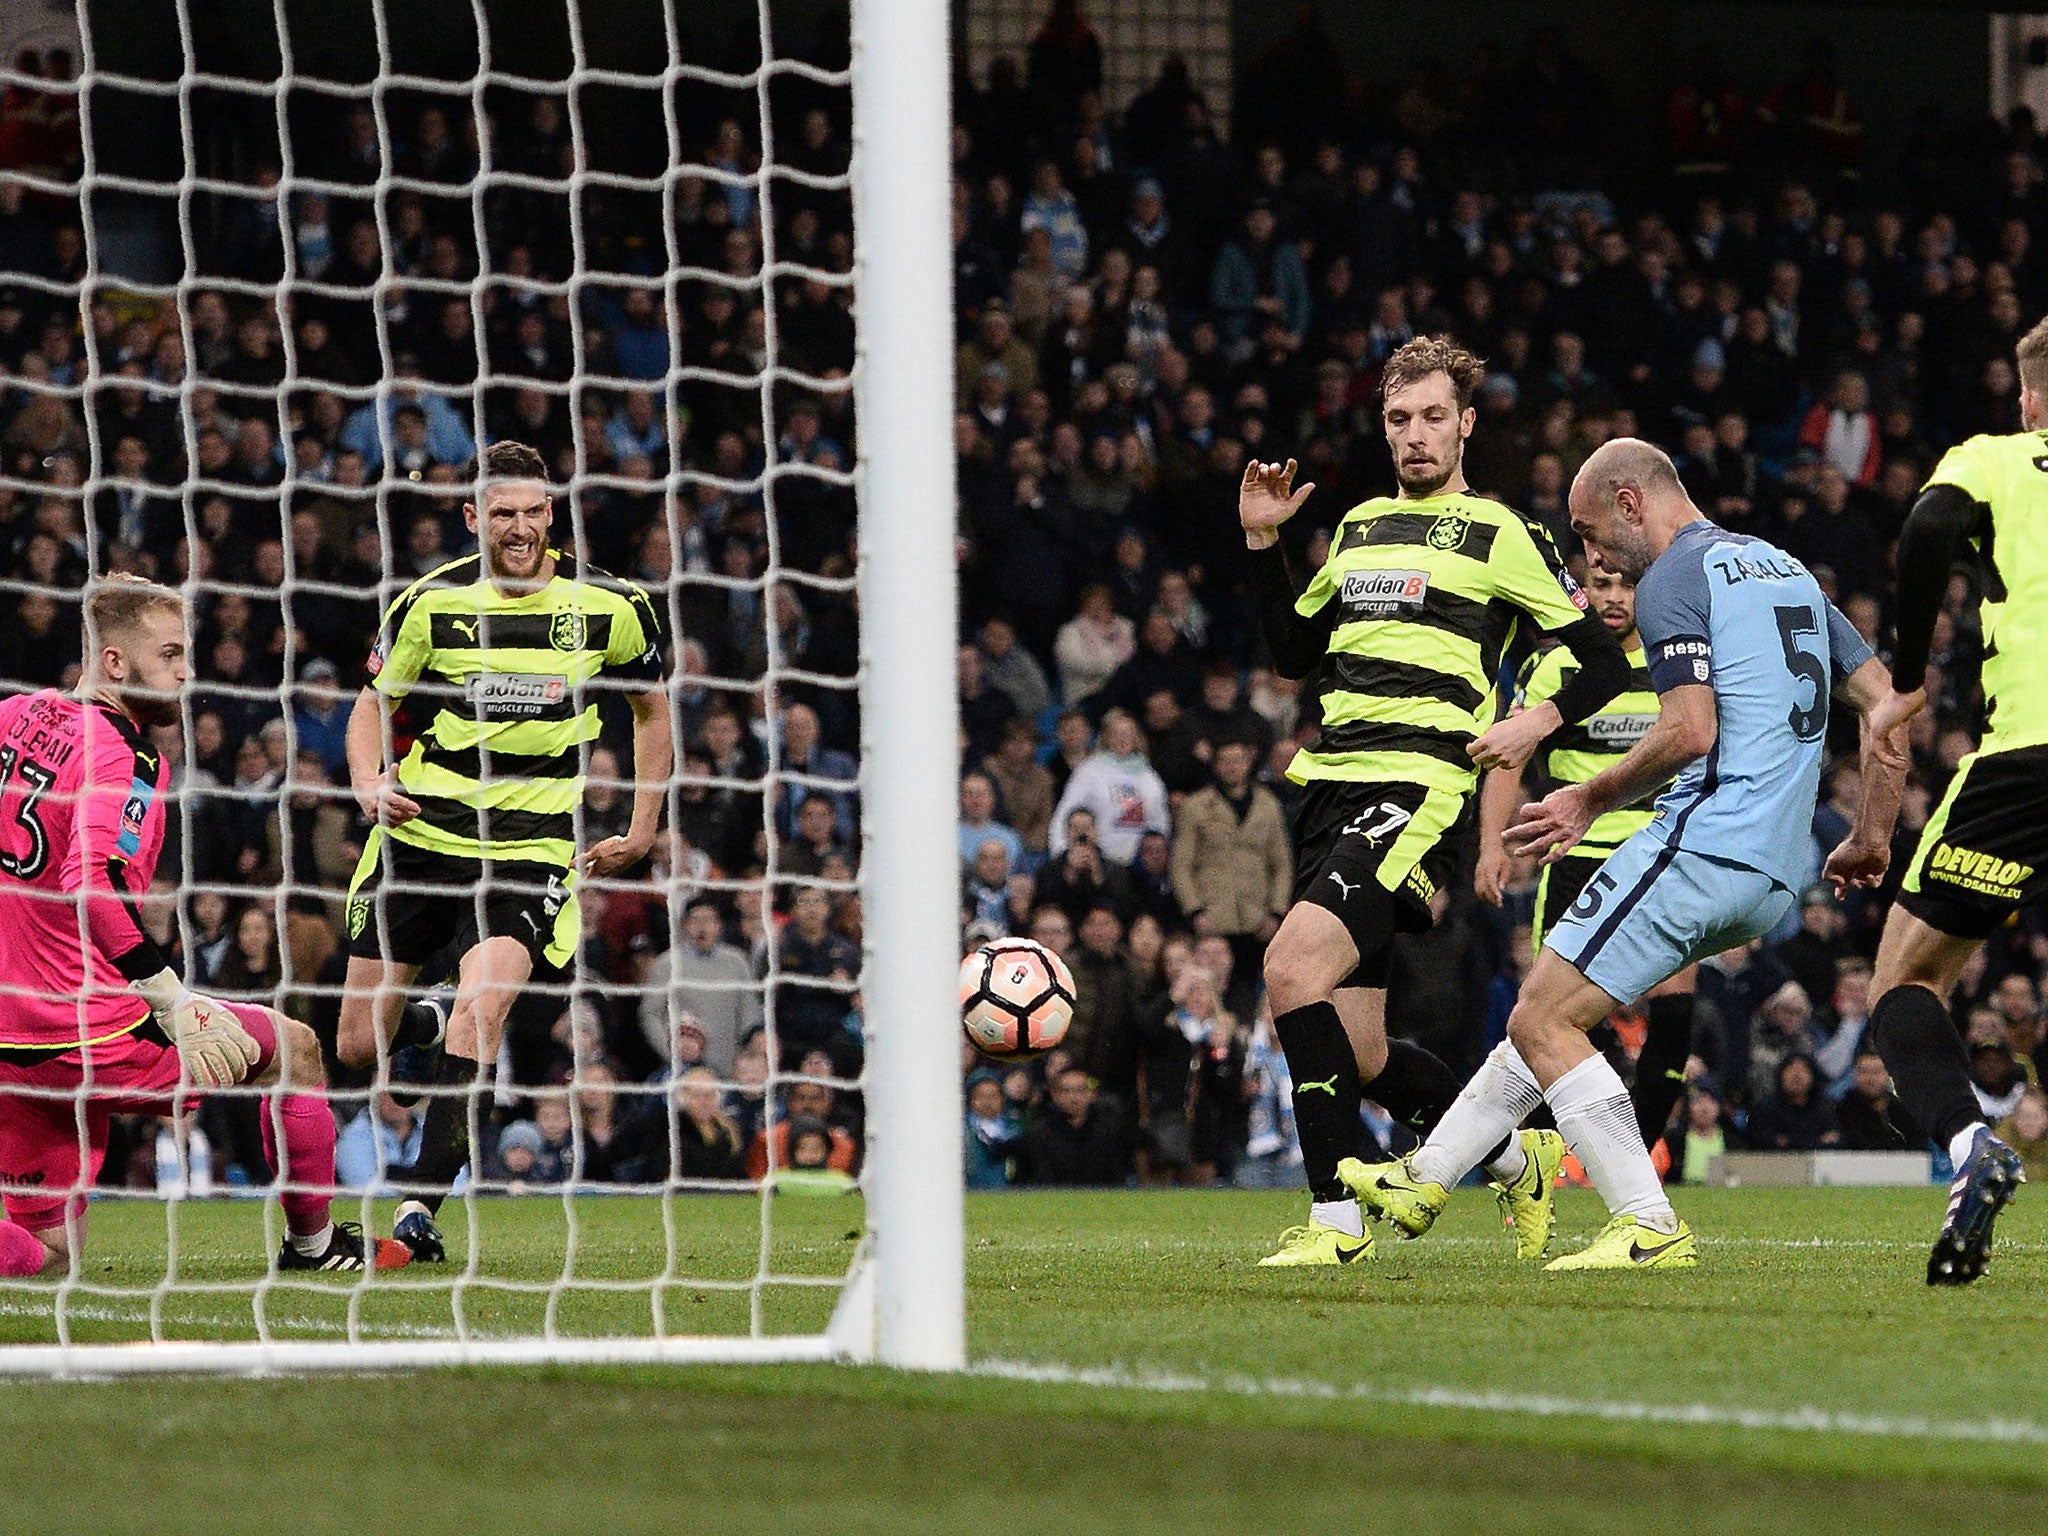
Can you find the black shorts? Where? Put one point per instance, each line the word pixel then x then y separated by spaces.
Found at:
pixel 1984 854
pixel 405 904
pixel 1557 887
pixel 1373 855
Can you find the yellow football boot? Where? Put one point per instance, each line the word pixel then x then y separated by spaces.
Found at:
pixel 1625 1243
pixel 1529 1205
pixel 1317 1244
pixel 1389 1192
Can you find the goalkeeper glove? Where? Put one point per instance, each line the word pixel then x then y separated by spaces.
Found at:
pixel 216 1051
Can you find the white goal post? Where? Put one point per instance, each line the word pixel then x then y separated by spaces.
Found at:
pixel 902 1299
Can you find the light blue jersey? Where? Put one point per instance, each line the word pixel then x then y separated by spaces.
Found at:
pixel 1749 621
pixel 1716 866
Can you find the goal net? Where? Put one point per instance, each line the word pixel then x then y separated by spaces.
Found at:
pixel 274 276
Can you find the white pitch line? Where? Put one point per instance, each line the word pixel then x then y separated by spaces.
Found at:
pixel 280 1326
pixel 1699 1415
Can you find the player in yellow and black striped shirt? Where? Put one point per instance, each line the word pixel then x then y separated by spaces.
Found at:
pixel 1574 755
pixel 1407 620
pixel 1983 855
pixel 499 660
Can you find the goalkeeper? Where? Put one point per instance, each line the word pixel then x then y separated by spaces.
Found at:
pixel 475 823
pixel 97 1022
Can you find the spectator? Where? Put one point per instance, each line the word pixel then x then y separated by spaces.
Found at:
pixel 1259 278
pixel 995 1131
pixel 442 438
pixel 1783 1027
pixel 607 797
pixel 1103 1036
pixel 1052 208
pixel 1079 878
pixel 1197 1122
pixel 978 824
pixel 985 896
pixel 1843 430
pixel 685 1135
pixel 523 1160
pixel 1222 714
pixel 1013 670
pixel 811 1170
pixel 377 1148
pixel 598 1122
pixel 1813 953
pixel 1995 1078
pixel 1163 661
pixel 2025 1130
pixel 1073 741
pixel 1849 1010
pixel 319 721
pixel 1075 1139
pixel 1272 1156
pixel 1795 1117
pixel 2017 1003
pixel 801 1101
pixel 1024 785
pixel 804 751
pixel 1092 645
pixel 1700 1138
pixel 813 853
pixel 984 708
pixel 819 968
pixel 1871 1119
pixel 1118 786
pixel 1233 869
pixel 1152 883
pixel 252 971
pixel 706 982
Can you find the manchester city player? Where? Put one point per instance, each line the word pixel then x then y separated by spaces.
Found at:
pixel 1743 649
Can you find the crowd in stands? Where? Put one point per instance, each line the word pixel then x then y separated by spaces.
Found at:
pixel 1142 305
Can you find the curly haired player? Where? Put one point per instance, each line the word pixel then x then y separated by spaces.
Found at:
pixel 1405 624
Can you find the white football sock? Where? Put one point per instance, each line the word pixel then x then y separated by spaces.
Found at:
pixel 1344 1215
pixel 1508 1167
pixel 310 1244
pixel 1498 1099
pixel 1599 1123
pixel 1959 1144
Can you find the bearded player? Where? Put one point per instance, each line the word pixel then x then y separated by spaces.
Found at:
pixel 1404 625
pixel 97 1020
pixel 1575 755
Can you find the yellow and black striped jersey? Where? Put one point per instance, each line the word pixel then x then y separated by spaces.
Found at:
pixel 1423 598
pixel 498 689
pixel 2008 476
pixel 1575 753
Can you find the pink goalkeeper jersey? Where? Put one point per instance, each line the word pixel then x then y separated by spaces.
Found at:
pixel 81 824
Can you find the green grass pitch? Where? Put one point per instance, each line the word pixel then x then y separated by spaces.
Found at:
pixel 1134 1373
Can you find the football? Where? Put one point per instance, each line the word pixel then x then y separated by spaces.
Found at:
pixel 1016 999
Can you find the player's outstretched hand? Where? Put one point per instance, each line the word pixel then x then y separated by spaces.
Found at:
pixel 1551 827
pixel 383 802
pixel 1855 865
pixel 1266 499
pixel 1884 727
pixel 1490 875
pixel 216 1050
pixel 611 856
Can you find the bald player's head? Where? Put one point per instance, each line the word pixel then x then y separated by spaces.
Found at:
pixel 1626 503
